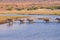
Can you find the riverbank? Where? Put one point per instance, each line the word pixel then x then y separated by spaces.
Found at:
pixel 4 18
pixel 38 11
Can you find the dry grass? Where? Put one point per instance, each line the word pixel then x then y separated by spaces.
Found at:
pixel 39 11
pixel 12 17
pixel 4 18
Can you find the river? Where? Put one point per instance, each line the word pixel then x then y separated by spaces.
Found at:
pixel 33 31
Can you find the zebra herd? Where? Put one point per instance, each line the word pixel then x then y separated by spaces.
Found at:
pixel 30 20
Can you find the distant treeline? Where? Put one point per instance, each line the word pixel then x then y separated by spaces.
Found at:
pixel 33 8
pixel 53 7
pixel 38 7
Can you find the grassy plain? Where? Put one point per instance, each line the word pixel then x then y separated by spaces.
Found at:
pixel 38 11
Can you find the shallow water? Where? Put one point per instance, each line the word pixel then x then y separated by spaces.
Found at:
pixel 33 31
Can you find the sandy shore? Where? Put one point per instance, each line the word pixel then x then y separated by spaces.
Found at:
pixel 39 11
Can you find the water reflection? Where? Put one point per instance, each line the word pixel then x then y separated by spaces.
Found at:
pixel 18 24
pixel 10 24
pixel 35 31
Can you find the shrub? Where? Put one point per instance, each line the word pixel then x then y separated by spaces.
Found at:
pixel 10 8
pixel 53 7
pixel 19 9
pixel 33 8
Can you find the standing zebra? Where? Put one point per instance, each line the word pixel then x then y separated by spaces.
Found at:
pixel 58 19
pixel 10 21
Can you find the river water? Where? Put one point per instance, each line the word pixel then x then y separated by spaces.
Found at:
pixel 33 31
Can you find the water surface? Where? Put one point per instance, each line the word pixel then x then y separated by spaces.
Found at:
pixel 35 31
